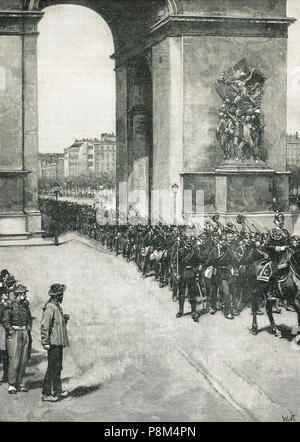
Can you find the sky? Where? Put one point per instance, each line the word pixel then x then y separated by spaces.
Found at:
pixel 77 79
pixel 293 114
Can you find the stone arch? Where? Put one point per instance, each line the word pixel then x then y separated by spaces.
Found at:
pixel 112 19
pixel 175 7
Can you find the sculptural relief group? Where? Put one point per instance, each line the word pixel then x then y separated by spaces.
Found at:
pixel 240 129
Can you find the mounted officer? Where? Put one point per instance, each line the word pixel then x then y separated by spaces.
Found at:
pixel 277 246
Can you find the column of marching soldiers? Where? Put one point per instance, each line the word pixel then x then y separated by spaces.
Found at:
pixel 205 266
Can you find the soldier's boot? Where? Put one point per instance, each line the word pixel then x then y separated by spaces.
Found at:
pixel 181 307
pixel 175 294
pixel 195 313
pixel 228 313
pixel 162 282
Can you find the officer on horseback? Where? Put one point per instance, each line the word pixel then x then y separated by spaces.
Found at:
pixel 276 245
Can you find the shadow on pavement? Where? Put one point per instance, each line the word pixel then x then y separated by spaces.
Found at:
pixel 32 385
pixel 36 359
pixel 83 390
pixel 284 329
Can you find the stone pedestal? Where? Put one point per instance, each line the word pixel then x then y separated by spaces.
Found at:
pixel 19 216
pixel 229 192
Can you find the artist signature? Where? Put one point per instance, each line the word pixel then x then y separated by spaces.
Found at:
pixel 289 418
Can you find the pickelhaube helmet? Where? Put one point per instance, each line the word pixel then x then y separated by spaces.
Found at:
pixel 215 218
pixel 279 217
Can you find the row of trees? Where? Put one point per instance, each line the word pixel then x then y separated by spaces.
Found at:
pixel 77 185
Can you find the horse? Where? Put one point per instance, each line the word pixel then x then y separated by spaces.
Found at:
pixel 287 285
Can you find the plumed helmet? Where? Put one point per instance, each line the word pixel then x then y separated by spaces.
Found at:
pixel 240 219
pixel 3 273
pixel 279 217
pixel 215 218
pixel 10 282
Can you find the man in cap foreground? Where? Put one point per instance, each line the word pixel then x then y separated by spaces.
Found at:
pixel 17 322
pixel 54 338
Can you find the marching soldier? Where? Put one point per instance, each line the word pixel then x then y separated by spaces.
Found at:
pixel 222 258
pixel 147 249
pixel 188 285
pixel 295 243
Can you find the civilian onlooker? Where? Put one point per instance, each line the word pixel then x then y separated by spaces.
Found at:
pixel 54 338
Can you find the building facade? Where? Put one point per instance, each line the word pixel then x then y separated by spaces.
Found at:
pixel 102 155
pixel 75 159
pixel 91 157
pixel 293 150
pixel 51 166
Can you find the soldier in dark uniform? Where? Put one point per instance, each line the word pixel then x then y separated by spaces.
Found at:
pixel 276 245
pixel 17 322
pixel 4 304
pixel 3 276
pixel 177 249
pixel 187 268
pixel 222 258
pixel 163 267
pixel 148 247
pixel 295 243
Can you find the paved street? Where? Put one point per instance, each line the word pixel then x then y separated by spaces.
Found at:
pixel 131 360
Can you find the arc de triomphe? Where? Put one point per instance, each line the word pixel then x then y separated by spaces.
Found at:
pixel 169 55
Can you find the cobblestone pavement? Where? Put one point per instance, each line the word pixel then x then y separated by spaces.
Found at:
pixel 130 358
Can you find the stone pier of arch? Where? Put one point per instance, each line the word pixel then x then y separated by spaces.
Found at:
pixel 168 55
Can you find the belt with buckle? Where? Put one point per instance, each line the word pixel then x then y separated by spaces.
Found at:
pixel 19 327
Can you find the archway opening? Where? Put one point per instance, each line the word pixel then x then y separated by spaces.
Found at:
pixel 76 82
